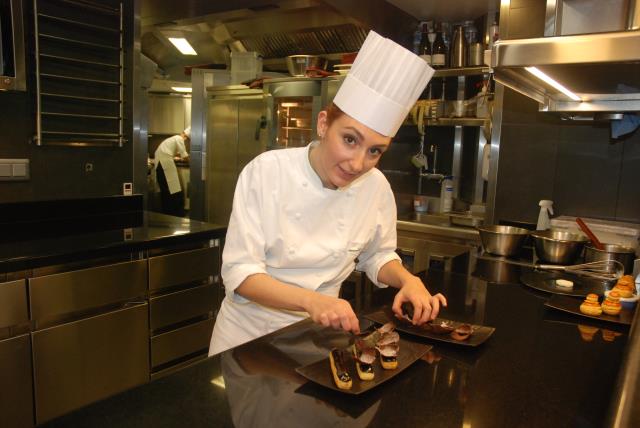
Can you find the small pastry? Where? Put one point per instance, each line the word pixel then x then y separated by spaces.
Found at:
pixel 611 304
pixel 564 283
pixel 587 332
pixel 339 370
pixel 462 333
pixel 626 280
pixel 624 288
pixel 591 306
pixel 364 356
pixel 388 345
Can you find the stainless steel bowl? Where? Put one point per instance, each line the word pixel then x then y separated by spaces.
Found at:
pixel 298 64
pixel 503 240
pixel 624 255
pixel 558 247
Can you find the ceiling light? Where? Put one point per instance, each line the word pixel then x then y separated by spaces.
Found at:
pixel 183 45
pixel 542 76
pixel 181 88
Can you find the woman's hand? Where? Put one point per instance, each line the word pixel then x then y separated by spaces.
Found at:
pixel 332 312
pixel 425 306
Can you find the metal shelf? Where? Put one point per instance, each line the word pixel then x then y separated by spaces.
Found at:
pixel 77 97
pixel 87 116
pixel 78 42
pixel 74 22
pixel 81 79
pixel 456 121
pixel 81 61
pixel 465 71
pixel 85 4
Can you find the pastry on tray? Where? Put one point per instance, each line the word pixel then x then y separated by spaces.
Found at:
pixel 591 305
pixel 388 345
pixel 611 304
pixel 365 356
pixel 339 369
pixel 462 333
pixel 625 287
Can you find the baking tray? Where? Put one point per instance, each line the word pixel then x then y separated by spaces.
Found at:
pixel 546 281
pixel 320 371
pixel 572 305
pixel 480 333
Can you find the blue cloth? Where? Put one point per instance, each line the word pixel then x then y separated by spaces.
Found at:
pixel 626 125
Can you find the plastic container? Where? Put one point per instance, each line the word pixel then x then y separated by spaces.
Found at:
pixel 607 231
pixel 446 195
pixel 546 208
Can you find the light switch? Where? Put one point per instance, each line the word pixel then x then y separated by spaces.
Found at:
pixel 5 170
pixel 14 169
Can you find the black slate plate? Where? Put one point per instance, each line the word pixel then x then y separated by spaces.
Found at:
pixel 546 281
pixel 572 305
pixel 479 336
pixel 320 371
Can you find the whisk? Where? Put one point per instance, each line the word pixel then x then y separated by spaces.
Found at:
pixel 605 270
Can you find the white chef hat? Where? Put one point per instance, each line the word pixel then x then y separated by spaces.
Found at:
pixel 187 132
pixel 383 84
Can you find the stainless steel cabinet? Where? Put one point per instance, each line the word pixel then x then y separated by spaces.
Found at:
pixel 16 393
pixel 168 113
pixel 80 362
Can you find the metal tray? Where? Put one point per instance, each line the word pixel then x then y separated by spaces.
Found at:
pixel 479 336
pixel 320 371
pixel 572 305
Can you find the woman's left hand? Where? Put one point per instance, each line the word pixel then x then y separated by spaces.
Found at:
pixel 425 305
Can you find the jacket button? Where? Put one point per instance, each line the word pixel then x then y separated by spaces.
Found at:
pixel 298 216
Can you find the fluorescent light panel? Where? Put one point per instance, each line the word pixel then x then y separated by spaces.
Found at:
pixel 183 45
pixel 181 88
pixel 542 76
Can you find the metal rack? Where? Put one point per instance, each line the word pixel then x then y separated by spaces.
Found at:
pixel 79 73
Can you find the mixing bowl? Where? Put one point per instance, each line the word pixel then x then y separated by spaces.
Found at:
pixel 558 247
pixel 502 240
pixel 298 64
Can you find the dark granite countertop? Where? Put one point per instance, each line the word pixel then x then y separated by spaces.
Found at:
pixel 30 244
pixel 538 369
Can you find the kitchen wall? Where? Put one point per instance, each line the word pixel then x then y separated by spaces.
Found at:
pixel 577 165
pixel 61 172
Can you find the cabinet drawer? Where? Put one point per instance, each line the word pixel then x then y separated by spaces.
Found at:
pixel 182 305
pixel 183 267
pixel 84 361
pixel 16 393
pixel 13 303
pixel 178 343
pixel 84 289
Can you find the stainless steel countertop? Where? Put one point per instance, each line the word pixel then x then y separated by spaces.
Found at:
pixel 436 224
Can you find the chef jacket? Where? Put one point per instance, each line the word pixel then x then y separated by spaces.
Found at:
pixel 164 155
pixel 286 224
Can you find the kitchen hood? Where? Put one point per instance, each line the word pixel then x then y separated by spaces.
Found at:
pixel 602 70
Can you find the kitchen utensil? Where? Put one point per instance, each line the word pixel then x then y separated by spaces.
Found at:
pixel 624 255
pixel 606 270
pixel 502 240
pixel 594 239
pixel 554 246
pixel 298 64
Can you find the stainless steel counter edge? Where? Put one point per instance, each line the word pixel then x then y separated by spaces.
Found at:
pixel 624 410
pixel 432 229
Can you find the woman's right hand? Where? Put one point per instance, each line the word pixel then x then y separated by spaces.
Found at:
pixel 332 312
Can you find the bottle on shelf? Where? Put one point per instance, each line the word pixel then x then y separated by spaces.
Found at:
pixel 446 194
pixel 458 56
pixel 425 46
pixel 439 50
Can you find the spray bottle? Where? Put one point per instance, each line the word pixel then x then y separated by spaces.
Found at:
pixel 546 208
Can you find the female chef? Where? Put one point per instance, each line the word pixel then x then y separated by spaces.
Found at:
pixel 304 218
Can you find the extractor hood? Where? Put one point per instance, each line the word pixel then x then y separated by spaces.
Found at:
pixel 601 69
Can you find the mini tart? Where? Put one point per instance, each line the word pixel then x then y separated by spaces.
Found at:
pixel 611 304
pixel 389 363
pixel 591 306
pixel 338 369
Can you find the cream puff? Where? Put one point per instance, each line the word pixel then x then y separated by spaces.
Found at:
pixel 611 304
pixel 591 306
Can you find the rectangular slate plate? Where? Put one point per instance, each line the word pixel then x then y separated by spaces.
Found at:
pixel 480 333
pixel 572 305
pixel 320 371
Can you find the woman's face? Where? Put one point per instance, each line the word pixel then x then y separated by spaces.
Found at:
pixel 347 150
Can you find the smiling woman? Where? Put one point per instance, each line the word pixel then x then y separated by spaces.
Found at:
pixel 303 218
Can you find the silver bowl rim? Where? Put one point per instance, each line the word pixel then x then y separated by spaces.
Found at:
pixel 539 234
pixel 516 231
pixel 626 250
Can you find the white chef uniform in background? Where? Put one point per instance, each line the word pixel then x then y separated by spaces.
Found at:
pixel 284 223
pixel 166 151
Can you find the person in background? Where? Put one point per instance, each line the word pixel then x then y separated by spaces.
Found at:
pixel 171 194
pixel 304 218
